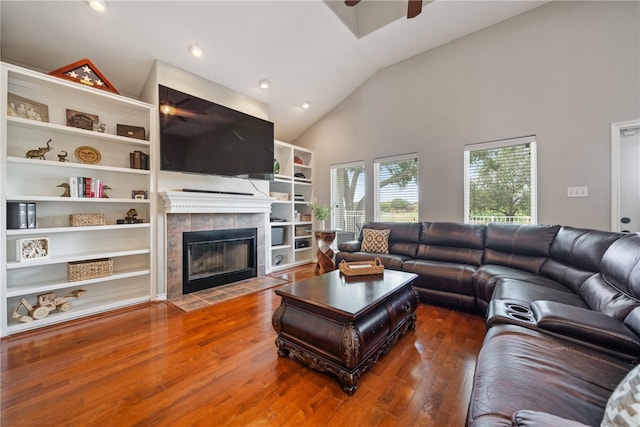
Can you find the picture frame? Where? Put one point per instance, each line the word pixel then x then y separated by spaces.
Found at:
pixel 80 120
pixel 24 108
pixel 139 194
pixel 32 249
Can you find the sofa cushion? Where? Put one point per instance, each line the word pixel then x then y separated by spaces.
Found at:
pixel 615 290
pixel 376 241
pixel 541 419
pixel 524 247
pixel 519 368
pixel 444 276
pixel 403 237
pixel 526 293
pixel 487 277
pixel 452 242
pixel 632 321
pixel 443 282
pixel 620 265
pixel 623 407
pixel 575 255
pixel 601 296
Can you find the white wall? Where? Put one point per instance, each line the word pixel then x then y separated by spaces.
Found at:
pixel 564 72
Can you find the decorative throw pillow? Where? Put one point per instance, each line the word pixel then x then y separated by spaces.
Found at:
pixel 623 407
pixel 376 241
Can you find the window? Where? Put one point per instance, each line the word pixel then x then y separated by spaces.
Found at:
pixel 500 181
pixel 396 188
pixel 347 192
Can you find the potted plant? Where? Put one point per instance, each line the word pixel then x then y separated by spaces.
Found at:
pixel 321 212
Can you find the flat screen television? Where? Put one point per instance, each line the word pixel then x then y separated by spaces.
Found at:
pixel 200 136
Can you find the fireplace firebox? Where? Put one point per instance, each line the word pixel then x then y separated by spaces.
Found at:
pixel 217 257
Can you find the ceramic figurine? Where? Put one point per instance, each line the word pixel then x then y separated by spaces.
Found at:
pixel 67 189
pixel 40 152
pixel 131 214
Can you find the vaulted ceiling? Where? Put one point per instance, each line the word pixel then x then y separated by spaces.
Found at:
pixel 309 50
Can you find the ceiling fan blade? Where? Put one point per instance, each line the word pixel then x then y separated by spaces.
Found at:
pixel 414 8
pixel 351 2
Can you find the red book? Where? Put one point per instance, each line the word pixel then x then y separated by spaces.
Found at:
pixel 87 187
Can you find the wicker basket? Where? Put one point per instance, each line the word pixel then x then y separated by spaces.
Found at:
pixel 84 220
pixel 279 196
pixel 361 268
pixel 90 269
pixel 302 230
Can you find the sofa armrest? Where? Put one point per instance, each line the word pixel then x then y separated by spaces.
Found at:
pixel 541 419
pixel 350 246
pixel 585 325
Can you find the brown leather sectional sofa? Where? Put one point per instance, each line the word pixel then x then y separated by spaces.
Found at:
pixel 562 309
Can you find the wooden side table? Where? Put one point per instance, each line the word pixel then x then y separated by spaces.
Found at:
pixel 324 239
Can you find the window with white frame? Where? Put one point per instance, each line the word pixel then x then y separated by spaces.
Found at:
pixel 347 194
pixel 396 188
pixel 500 181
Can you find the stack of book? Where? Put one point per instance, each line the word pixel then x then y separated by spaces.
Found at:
pixel 21 215
pixel 84 186
pixel 139 160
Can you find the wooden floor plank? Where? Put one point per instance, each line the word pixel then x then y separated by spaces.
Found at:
pixel 156 365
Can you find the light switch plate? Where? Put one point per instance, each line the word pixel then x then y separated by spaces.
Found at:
pixel 578 191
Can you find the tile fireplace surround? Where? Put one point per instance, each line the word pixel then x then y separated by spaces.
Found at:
pixel 186 211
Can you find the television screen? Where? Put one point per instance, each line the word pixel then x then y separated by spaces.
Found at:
pixel 199 136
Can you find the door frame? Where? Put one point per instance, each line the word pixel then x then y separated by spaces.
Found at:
pixel 616 128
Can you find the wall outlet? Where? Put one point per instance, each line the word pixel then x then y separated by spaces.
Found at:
pixel 578 191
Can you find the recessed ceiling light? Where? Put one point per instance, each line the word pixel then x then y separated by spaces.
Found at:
pixel 264 84
pixel 196 50
pixel 306 105
pixel 98 5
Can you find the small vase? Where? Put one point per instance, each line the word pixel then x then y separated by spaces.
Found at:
pixel 322 224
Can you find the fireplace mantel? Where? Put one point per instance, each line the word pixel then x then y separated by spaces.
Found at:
pixel 195 202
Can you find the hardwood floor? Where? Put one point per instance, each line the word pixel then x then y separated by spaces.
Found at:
pixel 155 365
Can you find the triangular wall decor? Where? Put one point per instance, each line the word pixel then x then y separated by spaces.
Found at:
pixel 84 72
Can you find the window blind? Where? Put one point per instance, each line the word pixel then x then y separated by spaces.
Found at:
pixel 396 188
pixel 500 181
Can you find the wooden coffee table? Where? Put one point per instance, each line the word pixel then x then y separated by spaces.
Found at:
pixel 342 325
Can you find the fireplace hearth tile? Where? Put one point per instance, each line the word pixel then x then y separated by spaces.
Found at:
pixel 174 244
pixel 174 277
pixel 248 221
pixel 189 302
pixel 209 297
pixel 178 222
pixel 202 222
pixel 223 221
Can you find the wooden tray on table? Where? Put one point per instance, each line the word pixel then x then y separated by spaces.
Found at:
pixel 361 268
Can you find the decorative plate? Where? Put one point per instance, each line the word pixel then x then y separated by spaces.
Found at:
pixel 88 154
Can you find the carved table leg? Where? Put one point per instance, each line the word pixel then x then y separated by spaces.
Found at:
pixel 282 350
